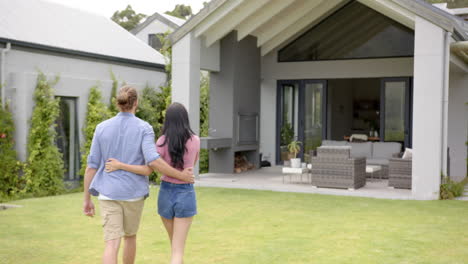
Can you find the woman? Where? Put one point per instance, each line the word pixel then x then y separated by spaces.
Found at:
pixel 180 147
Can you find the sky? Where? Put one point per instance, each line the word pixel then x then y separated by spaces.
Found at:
pixel 147 7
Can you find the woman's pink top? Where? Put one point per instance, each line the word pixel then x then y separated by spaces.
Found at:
pixel 191 154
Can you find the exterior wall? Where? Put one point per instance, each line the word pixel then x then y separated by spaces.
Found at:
pixel 153 28
pixel 76 74
pixel 458 124
pixel 233 90
pixel 272 71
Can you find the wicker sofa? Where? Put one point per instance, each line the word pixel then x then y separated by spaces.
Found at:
pixel 376 153
pixel 333 167
pixel 400 173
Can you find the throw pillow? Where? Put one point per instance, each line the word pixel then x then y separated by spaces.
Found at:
pixel 408 154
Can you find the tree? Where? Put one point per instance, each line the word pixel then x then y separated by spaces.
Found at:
pixel 181 11
pixel 44 168
pixel 9 165
pixel 127 18
pixel 96 113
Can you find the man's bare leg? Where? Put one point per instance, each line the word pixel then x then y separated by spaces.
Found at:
pixel 129 249
pixel 111 251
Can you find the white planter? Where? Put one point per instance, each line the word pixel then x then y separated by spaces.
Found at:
pixel 295 163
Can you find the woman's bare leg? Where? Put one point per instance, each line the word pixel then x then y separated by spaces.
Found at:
pixel 181 227
pixel 169 225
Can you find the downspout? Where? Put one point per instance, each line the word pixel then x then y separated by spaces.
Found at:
pixel 445 101
pixel 2 70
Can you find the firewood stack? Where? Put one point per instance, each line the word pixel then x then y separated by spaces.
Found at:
pixel 241 163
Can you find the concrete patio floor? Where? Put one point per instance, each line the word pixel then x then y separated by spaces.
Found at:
pixel 271 179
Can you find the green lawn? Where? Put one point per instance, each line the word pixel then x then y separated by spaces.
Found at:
pixel 242 226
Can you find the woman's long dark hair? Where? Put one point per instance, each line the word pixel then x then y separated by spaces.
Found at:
pixel 177 131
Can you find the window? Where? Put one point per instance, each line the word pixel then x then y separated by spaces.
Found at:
pixel 68 137
pixel 353 32
pixel 154 41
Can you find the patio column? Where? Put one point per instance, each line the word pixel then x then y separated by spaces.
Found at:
pixel 186 80
pixel 429 83
pixel 186 77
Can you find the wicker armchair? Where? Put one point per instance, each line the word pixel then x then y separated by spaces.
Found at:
pixel 333 167
pixel 400 173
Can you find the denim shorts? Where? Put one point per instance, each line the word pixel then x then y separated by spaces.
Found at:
pixel 176 200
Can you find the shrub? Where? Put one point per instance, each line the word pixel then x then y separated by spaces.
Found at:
pixel 204 119
pixel 9 165
pixel 96 113
pixel 113 101
pixel 450 189
pixel 44 168
pixel 151 108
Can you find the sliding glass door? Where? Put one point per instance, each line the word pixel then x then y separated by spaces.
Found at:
pixel 312 129
pixel 395 108
pixel 287 118
pixel 301 116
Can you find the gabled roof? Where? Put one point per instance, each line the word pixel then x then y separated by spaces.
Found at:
pixel 275 21
pixel 171 21
pixel 49 26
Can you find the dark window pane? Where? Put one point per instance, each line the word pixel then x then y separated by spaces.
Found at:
pixel 354 32
pixel 68 137
pixel 155 41
pixel 288 129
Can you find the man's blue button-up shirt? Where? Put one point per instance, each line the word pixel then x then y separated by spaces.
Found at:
pixel 130 140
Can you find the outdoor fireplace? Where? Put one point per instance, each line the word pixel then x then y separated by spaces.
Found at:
pixel 244 161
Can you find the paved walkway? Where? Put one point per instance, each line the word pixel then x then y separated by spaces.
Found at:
pixel 272 179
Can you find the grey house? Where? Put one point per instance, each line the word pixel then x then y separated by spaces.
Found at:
pixel 155 26
pixel 323 70
pixel 80 47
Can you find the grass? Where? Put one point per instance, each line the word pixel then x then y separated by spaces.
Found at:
pixel 242 226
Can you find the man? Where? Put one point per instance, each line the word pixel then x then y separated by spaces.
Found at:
pixel 121 194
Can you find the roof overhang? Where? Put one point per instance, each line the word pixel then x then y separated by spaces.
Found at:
pixel 36 46
pixel 274 22
pixel 149 20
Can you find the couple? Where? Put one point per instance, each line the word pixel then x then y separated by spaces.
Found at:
pixel 123 154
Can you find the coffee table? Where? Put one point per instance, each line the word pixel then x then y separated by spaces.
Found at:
pixel 294 171
pixel 372 171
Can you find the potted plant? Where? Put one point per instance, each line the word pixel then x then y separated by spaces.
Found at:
pixel 287 135
pixel 294 148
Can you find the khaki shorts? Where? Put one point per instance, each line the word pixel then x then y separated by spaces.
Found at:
pixel 120 218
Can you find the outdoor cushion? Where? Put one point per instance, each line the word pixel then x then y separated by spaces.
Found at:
pixel 377 161
pixel 334 151
pixel 334 143
pixel 385 150
pixel 363 149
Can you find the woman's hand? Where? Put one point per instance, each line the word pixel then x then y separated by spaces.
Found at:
pixel 113 165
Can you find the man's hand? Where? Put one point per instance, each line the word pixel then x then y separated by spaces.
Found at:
pixel 113 165
pixel 187 175
pixel 88 208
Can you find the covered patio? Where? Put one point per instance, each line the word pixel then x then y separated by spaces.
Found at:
pixel 271 179
pixel 267 56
